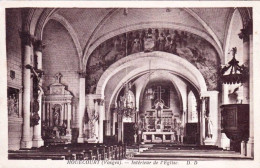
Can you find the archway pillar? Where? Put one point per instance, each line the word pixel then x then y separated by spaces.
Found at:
pixel 26 141
pixel 250 143
pixel 101 118
pixel 37 138
pixel 213 124
pixel 81 109
pixel 202 121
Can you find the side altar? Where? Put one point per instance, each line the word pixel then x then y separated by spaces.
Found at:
pixel 57 113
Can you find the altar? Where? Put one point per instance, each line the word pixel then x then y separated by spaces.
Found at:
pixel 158 137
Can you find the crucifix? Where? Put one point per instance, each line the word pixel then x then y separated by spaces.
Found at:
pixel 58 77
pixel 159 92
pixel 159 103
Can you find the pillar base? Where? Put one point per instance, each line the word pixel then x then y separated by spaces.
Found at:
pixel 243 148
pixel 26 144
pixel 250 148
pixel 225 142
pixel 92 140
pixel 37 143
pixel 209 141
pixel 80 140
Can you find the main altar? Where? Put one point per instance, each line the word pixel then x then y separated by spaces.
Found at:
pixel 159 129
pixel 160 123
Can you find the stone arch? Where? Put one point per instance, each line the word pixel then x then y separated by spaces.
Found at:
pixel 72 33
pixel 173 63
pixel 179 94
pixel 206 26
pixel 147 25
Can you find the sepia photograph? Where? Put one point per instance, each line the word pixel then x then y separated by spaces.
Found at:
pixel 129 84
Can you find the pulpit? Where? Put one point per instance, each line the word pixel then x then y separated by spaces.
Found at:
pixel 56 116
pixel 235 123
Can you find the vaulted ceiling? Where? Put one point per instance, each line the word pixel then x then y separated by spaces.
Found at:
pixel 87 26
pixel 98 22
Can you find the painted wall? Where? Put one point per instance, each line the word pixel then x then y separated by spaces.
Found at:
pixel 186 45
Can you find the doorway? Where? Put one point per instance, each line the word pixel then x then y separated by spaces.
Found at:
pixel 129 133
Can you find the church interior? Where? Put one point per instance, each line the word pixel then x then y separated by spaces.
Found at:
pixel 129 83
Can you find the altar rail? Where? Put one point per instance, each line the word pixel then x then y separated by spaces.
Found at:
pixel 72 152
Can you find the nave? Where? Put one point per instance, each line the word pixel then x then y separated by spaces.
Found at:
pixel 130 79
pixel 71 152
pixel 185 152
pixel 123 152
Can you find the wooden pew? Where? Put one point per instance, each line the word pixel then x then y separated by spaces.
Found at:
pixel 72 152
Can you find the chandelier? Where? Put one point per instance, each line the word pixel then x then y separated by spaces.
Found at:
pixel 126 105
pixel 149 92
pixel 233 73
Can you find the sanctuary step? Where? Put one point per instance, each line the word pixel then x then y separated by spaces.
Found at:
pixel 186 152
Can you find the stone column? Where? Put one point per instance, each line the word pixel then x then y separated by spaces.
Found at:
pixel 120 127
pixel 20 102
pixel 26 141
pixel 96 124
pixel 250 143
pixel 114 122
pixel 37 138
pixel 62 114
pixel 202 121
pixel 68 130
pixel 101 118
pixel 246 36
pixel 48 113
pixel 65 111
pixel 81 109
pixel 43 111
pixel 51 114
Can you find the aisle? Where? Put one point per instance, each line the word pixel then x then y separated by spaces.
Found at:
pixel 183 152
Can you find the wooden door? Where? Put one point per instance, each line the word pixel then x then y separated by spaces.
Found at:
pixel 129 133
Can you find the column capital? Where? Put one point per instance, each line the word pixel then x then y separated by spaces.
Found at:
pixel 209 93
pixel 99 101
pixel 26 38
pixel 246 31
pixel 75 101
pixel 82 74
pixel 38 45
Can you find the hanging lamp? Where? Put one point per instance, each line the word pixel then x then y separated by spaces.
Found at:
pixel 149 92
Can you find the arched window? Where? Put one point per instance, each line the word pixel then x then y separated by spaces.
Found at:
pixel 192 108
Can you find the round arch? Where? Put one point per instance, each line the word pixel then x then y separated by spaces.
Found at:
pixel 147 25
pixel 159 60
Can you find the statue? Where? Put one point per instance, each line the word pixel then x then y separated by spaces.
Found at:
pixel 209 127
pixel 93 118
pixel 234 51
pixel 136 47
pixel 56 114
pixel 12 105
pixel 161 42
pixel 149 42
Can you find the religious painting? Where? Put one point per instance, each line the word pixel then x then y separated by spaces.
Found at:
pixel 195 49
pixel 13 101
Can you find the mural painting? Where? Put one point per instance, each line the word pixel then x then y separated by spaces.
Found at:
pixel 193 48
